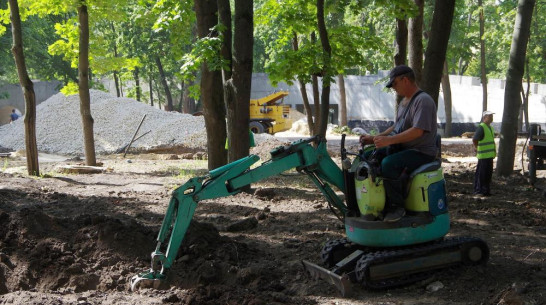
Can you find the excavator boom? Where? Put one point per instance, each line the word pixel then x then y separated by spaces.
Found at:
pixel 229 180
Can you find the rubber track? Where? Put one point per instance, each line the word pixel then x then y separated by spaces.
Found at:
pixel 378 257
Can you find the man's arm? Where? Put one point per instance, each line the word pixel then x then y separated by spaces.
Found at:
pixel 367 139
pixel 403 137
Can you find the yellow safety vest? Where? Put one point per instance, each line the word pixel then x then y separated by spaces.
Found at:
pixel 486 146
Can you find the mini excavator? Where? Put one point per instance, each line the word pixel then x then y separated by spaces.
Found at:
pixel 374 253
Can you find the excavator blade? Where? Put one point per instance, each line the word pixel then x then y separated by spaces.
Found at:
pixel 342 282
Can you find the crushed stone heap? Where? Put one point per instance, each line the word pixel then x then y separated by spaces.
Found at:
pixel 59 127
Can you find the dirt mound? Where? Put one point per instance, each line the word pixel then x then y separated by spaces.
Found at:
pixel 49 253
pixel 43 252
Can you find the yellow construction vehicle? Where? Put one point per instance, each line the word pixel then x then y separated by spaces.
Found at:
pixel 270 115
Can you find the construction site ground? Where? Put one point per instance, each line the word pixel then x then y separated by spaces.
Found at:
pixel 79 238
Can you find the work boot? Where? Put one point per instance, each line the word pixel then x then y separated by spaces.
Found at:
pixel 395 215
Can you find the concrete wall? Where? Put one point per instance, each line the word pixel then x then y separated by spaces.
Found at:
pixel 15 99
pixel 370 105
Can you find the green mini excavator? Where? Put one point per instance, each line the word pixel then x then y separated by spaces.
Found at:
pixel 374 253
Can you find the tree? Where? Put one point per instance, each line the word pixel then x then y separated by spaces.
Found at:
pixel 240 84
pixel 211 88
pixel 294 53
pixel 33 167
pixel 83 86
pixel 446 88
pixel 512 97
pixel 326 68
pixel 415 41
pixel 483 69
pixel 435 54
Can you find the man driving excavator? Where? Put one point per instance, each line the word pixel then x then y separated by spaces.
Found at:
pixel 409 143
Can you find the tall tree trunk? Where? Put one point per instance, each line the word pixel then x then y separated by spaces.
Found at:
pixel 401 47
pixel 83 86
pixel 136 74
pixel 512 97
pixel 163 78
pixel 116 74
pixel 525 106
pixel 211 90
pixel 239 114
pixel 415 41
pixel 342 101
pixel 435 54
pixel 116 82
pixel 224 17
pixel 316 105
pixel 303 90
pixel 316 97
pixel 327 57
pixel 446 88
pixel 31 148
pixel 483 72
pixel 400 52
pixel 189 103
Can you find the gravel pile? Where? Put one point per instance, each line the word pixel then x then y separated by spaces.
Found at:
pixel 59 128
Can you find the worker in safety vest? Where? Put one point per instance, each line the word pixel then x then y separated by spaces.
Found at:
pixel 484 144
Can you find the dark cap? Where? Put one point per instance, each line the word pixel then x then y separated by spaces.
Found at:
pixel 397 71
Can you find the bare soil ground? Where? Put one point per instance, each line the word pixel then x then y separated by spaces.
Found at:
pixel 79 238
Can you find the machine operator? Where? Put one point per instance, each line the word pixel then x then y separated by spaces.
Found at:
pixel 406 145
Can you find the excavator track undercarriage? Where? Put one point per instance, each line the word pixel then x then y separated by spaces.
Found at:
pixel 387 268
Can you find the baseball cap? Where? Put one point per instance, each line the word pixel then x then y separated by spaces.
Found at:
pixel 487 112
pixel 397 71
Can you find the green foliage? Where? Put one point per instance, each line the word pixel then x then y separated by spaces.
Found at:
pixel 342 130
pixel 70 88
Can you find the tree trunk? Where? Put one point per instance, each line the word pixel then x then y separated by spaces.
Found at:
pixel 327 57
pixel 316 97
pixel 189 103
pixel 239 114
pixel 211 90
pixel 483 72
pixel 83 85
pixel 116 82
pixel 31 148
pixel 342 101
pixel 400 50
pixel 435 54
pixel 307 107
pixel 116 74
pixel 303 90
pixel 224 17
pixel 316 105
pixel 136 74
pixel 446 88
pixel 512 97
pixel 169 105
pixel 415 41
pixel 525 106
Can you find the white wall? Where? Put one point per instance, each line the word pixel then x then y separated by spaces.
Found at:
pixel 367 99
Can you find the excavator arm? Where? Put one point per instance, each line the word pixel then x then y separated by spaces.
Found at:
pixel 230 180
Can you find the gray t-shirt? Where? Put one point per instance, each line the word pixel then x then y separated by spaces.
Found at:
pixel 422 115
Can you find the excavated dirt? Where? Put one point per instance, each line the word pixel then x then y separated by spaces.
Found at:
pixel 79 238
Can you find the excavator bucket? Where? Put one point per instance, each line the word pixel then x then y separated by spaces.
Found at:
pixel 342 282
